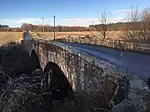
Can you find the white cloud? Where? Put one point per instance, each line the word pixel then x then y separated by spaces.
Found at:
pixel 122 11
pixel 125 11
pixel 80 21
pixel 10 22
pixel 117 15
pixel 17 22
pixel 89 21
pixel 71 7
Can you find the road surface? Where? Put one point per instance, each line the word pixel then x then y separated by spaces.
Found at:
pixel 132 62
pixel 27 36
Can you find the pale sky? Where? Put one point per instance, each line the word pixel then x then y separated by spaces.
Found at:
pixel 67 12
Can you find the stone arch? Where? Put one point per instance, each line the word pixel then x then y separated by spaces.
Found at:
pixel 59 85
pixel 35 60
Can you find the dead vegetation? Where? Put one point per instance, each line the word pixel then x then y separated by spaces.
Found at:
pixel 7 37
pixel 139 30
pixel 104 21
pixel 117 35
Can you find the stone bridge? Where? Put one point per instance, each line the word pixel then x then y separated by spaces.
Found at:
pixel 90 75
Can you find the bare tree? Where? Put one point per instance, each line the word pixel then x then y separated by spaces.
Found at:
pixel 104 21
pixel 145 18
pixel 138 25
pixel 133 26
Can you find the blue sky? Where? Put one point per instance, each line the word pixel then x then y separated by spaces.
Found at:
pixel 67 12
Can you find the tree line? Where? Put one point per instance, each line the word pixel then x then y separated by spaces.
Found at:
pixel 119 26
pixel 142 29
pixel 136 27
pixel 3 26
pixel 10 29
pixel 47 28
pixel 6 28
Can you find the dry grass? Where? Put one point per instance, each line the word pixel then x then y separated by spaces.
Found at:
pixel 111 34
pixel 6 37
pixel 115 35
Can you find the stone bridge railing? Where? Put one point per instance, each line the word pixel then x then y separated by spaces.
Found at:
pixel 118 44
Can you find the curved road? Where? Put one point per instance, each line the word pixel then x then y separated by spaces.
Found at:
pixel 132 62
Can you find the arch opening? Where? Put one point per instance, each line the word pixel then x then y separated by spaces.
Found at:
pixel 35 60
pixel 60 87
pixel 149 82
pixel 16 61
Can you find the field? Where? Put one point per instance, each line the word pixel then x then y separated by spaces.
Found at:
pixel 111 34
pixel 6 37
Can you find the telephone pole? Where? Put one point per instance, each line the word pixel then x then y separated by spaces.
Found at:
pixel 54 27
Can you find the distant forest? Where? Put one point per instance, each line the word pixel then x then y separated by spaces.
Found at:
pixel 4 28
pixel 121 26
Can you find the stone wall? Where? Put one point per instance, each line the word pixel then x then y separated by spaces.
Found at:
pixel 109 43
pixel 84 73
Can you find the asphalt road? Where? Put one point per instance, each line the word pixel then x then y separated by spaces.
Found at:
pixel 131 62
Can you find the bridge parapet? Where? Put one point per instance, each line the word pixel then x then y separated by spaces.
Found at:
pixel 119 44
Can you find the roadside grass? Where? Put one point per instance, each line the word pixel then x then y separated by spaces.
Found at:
pixel 7 37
